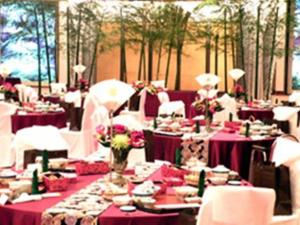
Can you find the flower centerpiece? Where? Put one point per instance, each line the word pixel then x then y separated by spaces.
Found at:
pixel 138 85
pixel 122 141
pixel 83 84
pixel 237 92
pixel 208 107
pixel 154 90
pixel 8 90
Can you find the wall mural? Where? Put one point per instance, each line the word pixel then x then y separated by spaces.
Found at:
pixel 296 55
pixel 28 30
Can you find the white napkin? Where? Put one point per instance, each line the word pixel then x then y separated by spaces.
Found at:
pixel 169 108
pixel 74 97
pixel 24 197
pixel 58 88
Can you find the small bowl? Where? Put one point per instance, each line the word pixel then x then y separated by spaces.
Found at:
pixel 218 180
pixel 185 191
pixel 122 200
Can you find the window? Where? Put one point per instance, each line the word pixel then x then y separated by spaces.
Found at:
pixel 19 39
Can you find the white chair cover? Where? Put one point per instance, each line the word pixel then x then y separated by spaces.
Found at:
pixel 6 136
pixel 226 205
pixel 58 88
pixel 6 110
pixel 74 97
pixel 229 105
pixel 37 137
pixel 129 121
pixel 26 93
pixel 295 97
pixel 169 108
pixel 82 143
pixel 163 97
pixel 286 113
pixel 158 83
pixel 287 152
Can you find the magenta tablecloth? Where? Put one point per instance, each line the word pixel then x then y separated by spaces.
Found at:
pixel 13 80
pixel 259 114
pixel 57 119
pixel 233 151
pixel 30 213
pixel 152 102
pixel 165 147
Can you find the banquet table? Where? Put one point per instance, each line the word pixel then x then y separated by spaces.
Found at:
pixel 20 121
pixel 259 114
pixel 13 80
pixel 229 149
pixel 30 213
pixel 152 103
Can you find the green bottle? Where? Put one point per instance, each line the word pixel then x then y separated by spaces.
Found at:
pixel 45 156
pixel 178 157
pixel 35 183
pixel 230 117
pixel 201 183
pixel 197 127
pixel 247 132
pixel 154 123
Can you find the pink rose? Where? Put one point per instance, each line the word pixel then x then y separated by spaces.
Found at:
pixel 119 129
pixel 137 139
pixel 101 130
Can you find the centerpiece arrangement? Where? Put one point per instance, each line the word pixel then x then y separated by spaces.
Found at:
pixel 121 142
pixel 8 90
pixel 207 103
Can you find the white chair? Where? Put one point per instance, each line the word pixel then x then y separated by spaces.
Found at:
pixel 74 97
pixel 290 114
pixel 295 97
pixel 229 105
pixel 82 143
pixel 287 152
pixel 37 137
pixel 26 93
pixel 58 88
pixel 229 205
pixel 6 136
pixel 173 107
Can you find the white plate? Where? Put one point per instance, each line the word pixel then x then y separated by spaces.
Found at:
pixel 128 208
pixel 234 182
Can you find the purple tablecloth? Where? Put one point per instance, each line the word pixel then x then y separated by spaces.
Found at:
pixel 259 114
pixel 233 151
pixel 57 119
pixel 152 103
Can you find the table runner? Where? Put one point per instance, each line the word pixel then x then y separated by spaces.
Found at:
pixel 82 207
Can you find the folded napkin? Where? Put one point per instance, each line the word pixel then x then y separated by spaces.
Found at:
pixel 295 97
pixel 158 83
pixel 24 197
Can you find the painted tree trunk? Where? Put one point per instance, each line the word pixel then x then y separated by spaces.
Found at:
pixel 38 52
pixel 257 53
pixel 216 54
pixel 272 53
pixel 225 51
pixel 288 30
pixel 78 43
pixel 68 50
pixel 46 46
pixel 122 50
pixel 207 50
pixel 241 43
pixel 93 64
pixel 159 58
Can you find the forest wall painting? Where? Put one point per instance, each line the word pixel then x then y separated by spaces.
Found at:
pixel 27 30
pixel 296 54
